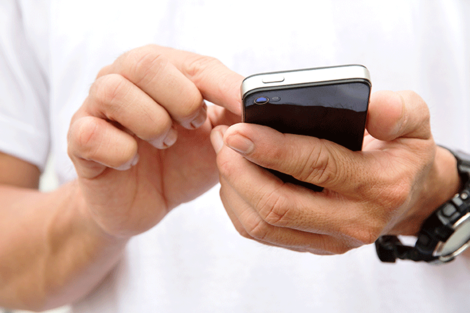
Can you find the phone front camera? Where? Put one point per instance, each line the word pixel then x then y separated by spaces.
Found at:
pixel 261 100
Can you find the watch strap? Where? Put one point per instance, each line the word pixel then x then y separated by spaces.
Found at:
pixel 390 248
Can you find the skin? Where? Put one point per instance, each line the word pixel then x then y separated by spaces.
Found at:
pixel 390 187
pixel 140 145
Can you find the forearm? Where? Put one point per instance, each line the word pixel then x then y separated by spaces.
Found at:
pixel 51 251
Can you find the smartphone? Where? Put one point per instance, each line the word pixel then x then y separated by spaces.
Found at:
pixel 328 103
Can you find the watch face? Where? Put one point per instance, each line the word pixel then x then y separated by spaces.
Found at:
pixel 457 240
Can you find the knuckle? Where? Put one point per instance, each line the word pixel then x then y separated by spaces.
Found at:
pixel 107 90
pixel 396 195
pixel 85 138
pixel 146 63
pixel 258 230
pixel 273 155
pixel 319 166
pixel 273 209
pixel 196 66
pixel 225 165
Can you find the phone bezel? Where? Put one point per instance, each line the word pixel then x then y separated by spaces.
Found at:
pixel 305 77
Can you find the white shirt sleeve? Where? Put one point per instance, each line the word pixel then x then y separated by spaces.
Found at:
pixel 24 116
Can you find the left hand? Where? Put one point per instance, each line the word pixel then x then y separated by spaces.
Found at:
pixel 390 187
pixel 140 141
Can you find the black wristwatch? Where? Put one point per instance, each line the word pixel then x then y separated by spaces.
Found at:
pixel 444 235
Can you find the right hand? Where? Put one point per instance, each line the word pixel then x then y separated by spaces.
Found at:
pixel 389 188
pixel 140 141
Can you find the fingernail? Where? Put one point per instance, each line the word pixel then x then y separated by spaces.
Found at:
pixel 240 143
pixel 168 141
pixel 217 139
pixel 200 119
pixel 135 160
pixel 126 166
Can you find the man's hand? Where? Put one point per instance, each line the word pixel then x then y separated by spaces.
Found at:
pixel 140 141
pixel 140 145
pixel 390 187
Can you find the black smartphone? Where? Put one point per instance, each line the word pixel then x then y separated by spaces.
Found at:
pixel 328 103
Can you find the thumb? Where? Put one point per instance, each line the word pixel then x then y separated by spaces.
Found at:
pixel 398 114
pixel 220 116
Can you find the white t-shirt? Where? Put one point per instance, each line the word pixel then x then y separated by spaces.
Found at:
pixel 194 260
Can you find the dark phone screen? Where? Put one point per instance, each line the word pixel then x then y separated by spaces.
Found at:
pixel 335 112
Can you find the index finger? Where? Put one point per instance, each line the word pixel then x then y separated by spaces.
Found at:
pixel 308 159
pixel 214 81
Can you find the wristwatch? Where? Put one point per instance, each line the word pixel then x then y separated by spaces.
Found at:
pixel 444 235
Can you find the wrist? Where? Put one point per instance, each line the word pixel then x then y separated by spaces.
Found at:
pixel 445 234
pixel 92 225
pixel 444 182
pixel 62 249
pixel 441 183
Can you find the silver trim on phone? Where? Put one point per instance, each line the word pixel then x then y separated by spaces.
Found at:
pixel 306 76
